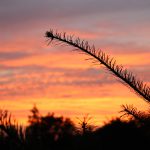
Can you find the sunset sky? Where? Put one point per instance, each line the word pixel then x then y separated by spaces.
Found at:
pixel 60 80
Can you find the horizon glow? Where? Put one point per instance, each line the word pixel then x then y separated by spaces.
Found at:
pixel 59 80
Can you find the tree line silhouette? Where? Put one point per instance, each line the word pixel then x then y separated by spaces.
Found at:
pixel 51 132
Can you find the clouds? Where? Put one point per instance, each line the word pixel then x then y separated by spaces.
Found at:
pixel 21 12
pixel 110 21
pixel 40 78
pixel 53 82
pixel 12 55
pixel 39 81
pixel 32 70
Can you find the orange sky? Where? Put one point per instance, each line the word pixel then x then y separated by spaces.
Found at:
pixel 60 80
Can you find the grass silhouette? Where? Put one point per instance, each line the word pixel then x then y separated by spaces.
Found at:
pixel 126 76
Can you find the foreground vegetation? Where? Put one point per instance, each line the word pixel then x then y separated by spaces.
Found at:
pixel 52 133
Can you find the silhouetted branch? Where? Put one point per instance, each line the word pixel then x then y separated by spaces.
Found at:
pixel 126 76
pixel 132 112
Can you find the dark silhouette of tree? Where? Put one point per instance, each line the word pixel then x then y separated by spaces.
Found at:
pixel 35 116
pixel 46 131
pixel 84 125
pixel 121 134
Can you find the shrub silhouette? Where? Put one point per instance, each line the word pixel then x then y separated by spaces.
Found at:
pixel 119 134
pixel 50 132
pixel 46 131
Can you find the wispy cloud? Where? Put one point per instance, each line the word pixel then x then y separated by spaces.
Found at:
pixel 12 55
pixel 32 70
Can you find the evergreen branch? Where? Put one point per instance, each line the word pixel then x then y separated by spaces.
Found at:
pixel 126 76
pixel 131 111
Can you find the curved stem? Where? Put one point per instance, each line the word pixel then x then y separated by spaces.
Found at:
pixel 127 77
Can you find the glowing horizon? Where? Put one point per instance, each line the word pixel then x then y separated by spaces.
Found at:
pixel 31 72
